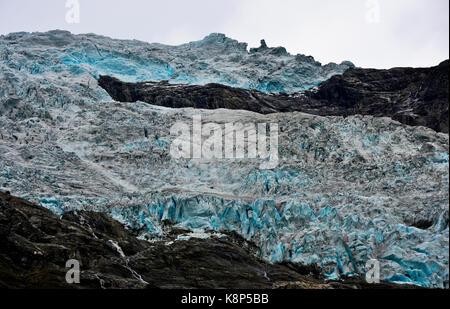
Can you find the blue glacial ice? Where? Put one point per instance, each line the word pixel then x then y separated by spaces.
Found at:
pixel 215 59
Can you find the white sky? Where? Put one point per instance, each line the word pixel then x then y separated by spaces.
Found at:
pixel 400 33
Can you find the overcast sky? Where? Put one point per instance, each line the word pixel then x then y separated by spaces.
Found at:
pixel 370 33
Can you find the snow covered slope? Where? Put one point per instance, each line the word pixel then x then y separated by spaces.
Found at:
pixel 346 190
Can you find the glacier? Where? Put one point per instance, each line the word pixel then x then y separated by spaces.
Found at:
pixel 215 59
pixel 346 190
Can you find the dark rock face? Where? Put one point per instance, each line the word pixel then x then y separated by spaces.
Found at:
pixel 411 96
pixel 211 96
pixel 35 245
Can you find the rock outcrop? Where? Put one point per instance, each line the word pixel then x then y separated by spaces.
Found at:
pixel 417 97
pixel 411 96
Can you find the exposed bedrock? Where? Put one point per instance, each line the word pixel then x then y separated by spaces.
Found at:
pixel 411 96
pixel 417 97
